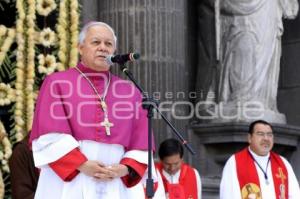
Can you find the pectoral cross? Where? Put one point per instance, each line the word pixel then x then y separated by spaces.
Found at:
pixel 107 125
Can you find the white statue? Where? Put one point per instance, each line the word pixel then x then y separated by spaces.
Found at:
pixel 250 49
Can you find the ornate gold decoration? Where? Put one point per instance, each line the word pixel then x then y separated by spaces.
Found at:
pixel 251 191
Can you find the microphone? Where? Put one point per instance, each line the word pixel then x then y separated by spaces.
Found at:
pixel 122 59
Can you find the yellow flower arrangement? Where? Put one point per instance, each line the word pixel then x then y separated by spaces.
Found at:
pixel 62 35
pixel 68 35
pixel 47 64
pixel 30 64
pixel 6 148
pixel 9 39
pixel 7 94
pixel 44 7
pixel 47 37
pixel 20 68
pixel 2 31
pixel 74 33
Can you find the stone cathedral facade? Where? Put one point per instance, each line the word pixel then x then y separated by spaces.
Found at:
pixel 183 48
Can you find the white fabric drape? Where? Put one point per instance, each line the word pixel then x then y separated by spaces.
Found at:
pixel 51 147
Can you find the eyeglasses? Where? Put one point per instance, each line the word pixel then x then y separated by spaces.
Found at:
pixel 263 134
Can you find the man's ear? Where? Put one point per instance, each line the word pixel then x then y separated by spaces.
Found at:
pixel 79 47
pixel 249 138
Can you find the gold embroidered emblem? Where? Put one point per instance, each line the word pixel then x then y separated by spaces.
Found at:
pixel 251 191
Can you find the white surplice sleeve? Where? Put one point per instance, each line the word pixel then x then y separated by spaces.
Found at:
pixel 51 147
pixel 229 187
pixel 294 190
pixel 199 184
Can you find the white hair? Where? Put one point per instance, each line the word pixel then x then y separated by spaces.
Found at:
pixel 86 27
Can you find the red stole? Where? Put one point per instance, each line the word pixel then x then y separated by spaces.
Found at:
pixel 187 187
pixel 248 177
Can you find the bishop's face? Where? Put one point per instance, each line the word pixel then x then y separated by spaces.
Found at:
pixel 172 164
pixel 261 141
pixel 98 43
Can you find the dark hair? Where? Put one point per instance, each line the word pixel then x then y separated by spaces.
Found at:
pixel 170 147
pixel 252 125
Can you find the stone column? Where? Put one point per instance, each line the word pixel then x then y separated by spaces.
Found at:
pixel 157 30
pixel 89 11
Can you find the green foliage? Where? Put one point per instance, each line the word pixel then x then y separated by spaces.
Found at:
pixel 8 68
pixel 3 2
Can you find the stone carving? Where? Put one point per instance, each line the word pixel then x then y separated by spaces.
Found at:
pixel 246 83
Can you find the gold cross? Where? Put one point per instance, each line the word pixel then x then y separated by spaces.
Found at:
pixel 107 125
pixel 281 175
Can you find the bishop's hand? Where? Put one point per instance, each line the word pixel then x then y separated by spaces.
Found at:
pixel 96 169
pixel 118 170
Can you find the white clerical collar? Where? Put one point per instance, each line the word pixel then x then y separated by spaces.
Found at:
pixel 172 179
pixel 263 160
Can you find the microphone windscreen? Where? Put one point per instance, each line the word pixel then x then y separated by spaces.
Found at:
pixel 108 60
pixel 135 56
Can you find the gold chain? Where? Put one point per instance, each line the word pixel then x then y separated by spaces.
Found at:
pixel 105 122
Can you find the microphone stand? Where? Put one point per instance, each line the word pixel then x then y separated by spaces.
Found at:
pixel 150 104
